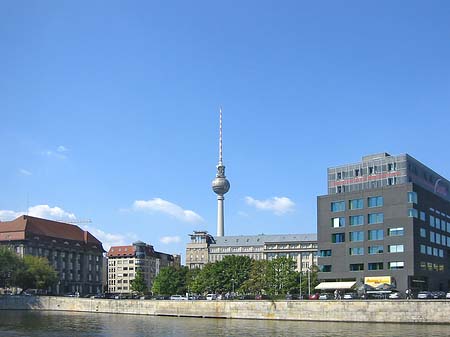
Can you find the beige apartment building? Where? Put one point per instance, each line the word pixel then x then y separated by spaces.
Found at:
pixel 125 261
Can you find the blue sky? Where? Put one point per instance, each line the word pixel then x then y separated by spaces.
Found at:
pixel 109 109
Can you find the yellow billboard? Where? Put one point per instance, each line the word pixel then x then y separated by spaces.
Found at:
pixel 375 281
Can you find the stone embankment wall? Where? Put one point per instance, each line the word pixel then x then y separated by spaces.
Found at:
pixel 398 311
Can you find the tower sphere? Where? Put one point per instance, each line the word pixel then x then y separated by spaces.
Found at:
pixel 220 185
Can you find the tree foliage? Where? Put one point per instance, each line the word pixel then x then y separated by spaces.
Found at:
pixel 281 276
pixel 170 281
pixel 10 263
pixel 138 284
pixel 36 273
pixel 223 276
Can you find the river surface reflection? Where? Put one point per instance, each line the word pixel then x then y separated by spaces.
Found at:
pixel 73 324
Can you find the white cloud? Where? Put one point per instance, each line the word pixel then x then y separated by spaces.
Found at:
pixel 278 205
pixel 6 215
pixel 62 148
pixel 58 153
pixel 111 239
pixel 170 239
pixel 25 172
pixel 47 212
pixel 40 211
pixel 166 207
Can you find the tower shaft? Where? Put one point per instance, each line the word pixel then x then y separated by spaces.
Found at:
pixel 220 217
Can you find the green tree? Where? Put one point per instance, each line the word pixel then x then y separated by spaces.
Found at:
pixel 258 281
pixel 10 263
pixel 282 276
pixel 170 281
pixel 138 284
pixel 35 273
pixel 223 276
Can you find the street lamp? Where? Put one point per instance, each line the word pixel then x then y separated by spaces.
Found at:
pixel 232 292
pixel 309 282
pixel 300 285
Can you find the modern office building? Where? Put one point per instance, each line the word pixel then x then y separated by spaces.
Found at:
pixel 204 248
pixel 125 261
pixel 385 219
pixel 75 254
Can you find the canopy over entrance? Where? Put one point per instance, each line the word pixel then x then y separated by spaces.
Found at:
pixel 335 285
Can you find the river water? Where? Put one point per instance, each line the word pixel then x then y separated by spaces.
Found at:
pixel 73 324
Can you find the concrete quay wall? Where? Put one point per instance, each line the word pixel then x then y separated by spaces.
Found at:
pixel 396 311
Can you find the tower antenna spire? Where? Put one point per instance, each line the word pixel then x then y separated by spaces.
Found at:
pixel 220 137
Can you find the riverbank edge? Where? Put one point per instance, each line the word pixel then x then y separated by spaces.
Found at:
pixel 373 311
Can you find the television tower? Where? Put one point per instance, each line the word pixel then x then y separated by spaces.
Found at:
pixel 220 184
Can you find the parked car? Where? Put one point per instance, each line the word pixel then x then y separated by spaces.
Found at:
pixel 211 297
pixel 350 296
pixel 325 296
pixel 314 296
pixel 447 295
pixel 395 295
pixel 178 298
pixel 437 294
pixel 424 295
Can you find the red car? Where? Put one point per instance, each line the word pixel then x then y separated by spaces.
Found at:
pixel 314 296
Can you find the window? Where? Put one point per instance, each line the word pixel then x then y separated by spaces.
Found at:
pixel 375 201
pixel 338 237
pixel 438 238
pixel 375 218
pixel 376 234
pixel 356 236
pixel 356 251
pixel 423 216
pixel 396 265
pixel 437 223
pixel 432 237
pixel 435 252
pixel 325 268
pixel 376 249
pixel 399 231
pixel 355 204
pixel 338 206
pixel 396 249
pixel 337 222
pixel 412 197
pixel 357 267
pixel 423 232
pixel 423 249
pixel 356 220
pixel 431 221
pixel 429 250
pixel 325 252
pixel 441 253
pixel 375 265
pixel 413 213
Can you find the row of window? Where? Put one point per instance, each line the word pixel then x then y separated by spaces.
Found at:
pixel 370 266
pixel 361 171
pixel 431 266
pixel 358 220
pixel 373 234
pixel 371 250
pixel 432 251
pixel 376 201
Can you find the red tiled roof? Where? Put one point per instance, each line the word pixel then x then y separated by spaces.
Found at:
pixel 54 229
pixel 121 251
